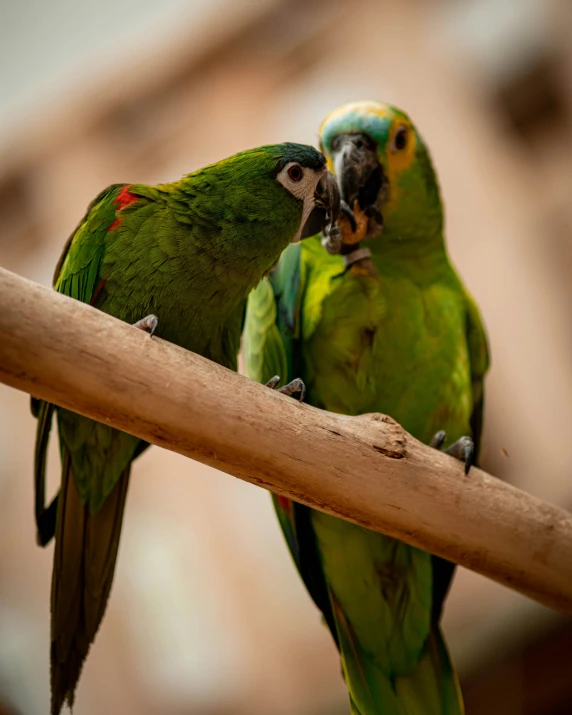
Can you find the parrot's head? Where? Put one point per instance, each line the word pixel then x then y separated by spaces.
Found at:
pixel 258 201
pixel 302 171
pixel 384 172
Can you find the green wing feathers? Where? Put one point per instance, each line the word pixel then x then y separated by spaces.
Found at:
pixel 264 351
pixel 78 270
pixel 77 275
pixel 190 252
pixel 268 344
pixel 110 191
pixel 267 352
pixel 271 334
pixel 480 361
pixel 95 474
pixel 272 320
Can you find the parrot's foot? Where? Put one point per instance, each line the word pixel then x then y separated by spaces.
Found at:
pixel 346 211
pixel 149 324
pixel 438 439
pixel 463 449
pixel 296 385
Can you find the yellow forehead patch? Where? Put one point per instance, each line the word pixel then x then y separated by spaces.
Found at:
pixel 395 159
pixel 383 111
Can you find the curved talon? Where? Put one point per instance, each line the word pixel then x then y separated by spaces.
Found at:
pixel 294 386
pixel 438 439
pixel 273 382
pixel 463 449
pixel 148 324
pixel 349 214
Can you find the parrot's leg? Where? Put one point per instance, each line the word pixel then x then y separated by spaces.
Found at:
pixel 463 449
pixel 296 385
pixel 149 324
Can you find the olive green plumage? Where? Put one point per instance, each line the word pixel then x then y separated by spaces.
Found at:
pixel 402 338
pixel 188 252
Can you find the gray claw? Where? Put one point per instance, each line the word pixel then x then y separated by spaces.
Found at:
pixel 463 449
pixel 349 214
pixel 149 324
pixel 294 386
pixel 438 439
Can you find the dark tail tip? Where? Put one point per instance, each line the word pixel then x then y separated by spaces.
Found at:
pixel 64 679
pixel 46 523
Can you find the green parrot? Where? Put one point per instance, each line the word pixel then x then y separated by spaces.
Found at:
pixel 386 327
pixel 178 260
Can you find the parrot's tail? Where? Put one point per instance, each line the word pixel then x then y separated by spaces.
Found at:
pixel 432 689
pixel 84 562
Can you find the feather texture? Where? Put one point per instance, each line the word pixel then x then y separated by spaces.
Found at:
pixel 188 252
pixel 404 339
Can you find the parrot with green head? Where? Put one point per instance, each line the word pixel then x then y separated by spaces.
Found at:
pixel 380 326
pixel 178 260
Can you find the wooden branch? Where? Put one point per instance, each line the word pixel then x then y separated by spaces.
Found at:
pixel 365 469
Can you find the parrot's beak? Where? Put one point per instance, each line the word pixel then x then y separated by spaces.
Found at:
pixel 363 188
pixel 357 168
pixel 326 206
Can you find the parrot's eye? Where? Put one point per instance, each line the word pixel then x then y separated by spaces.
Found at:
pixel 400 140
pixel 295 173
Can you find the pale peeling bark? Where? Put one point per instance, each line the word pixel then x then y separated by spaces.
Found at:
pixel 365 469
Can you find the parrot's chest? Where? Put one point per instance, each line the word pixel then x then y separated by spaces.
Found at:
pixel 215 334
pixel 196 317
pixel 387 345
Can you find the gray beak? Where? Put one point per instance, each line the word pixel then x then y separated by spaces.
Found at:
pixel 359 173
pixel 326 207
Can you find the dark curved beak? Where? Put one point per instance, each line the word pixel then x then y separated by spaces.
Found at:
pixel 326 206
pixel 358 170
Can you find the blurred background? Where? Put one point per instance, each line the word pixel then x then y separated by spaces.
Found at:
pixel 207 614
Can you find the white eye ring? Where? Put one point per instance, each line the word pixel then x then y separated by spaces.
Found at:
pixel 296 173
pixel 300 181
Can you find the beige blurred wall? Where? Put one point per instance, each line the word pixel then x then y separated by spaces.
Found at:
pixel 207 614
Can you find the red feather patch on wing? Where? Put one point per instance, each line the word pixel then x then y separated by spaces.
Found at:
pixel 285 503
pixel 124 198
